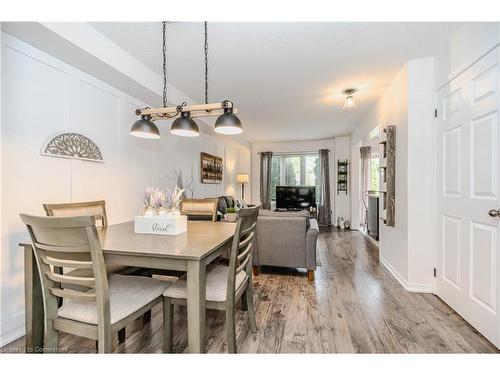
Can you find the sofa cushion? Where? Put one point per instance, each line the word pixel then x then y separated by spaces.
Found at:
pixel 229 201
pixel 303 213
pixel 222 205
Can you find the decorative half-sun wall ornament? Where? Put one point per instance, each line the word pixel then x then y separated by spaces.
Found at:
pixel 73 146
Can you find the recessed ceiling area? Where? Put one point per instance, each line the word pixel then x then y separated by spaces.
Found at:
pixel 286 79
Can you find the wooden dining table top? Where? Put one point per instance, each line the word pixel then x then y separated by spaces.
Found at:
pixel 199 241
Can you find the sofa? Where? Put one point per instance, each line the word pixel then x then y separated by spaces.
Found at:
pixel 286 239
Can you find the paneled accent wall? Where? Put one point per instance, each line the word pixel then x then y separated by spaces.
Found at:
pixel 42 95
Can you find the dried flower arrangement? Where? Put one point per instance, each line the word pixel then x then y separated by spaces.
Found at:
pixel 156 199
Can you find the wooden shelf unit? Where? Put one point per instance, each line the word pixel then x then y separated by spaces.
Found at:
pixel 387 175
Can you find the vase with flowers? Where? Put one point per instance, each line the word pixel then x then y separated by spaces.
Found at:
pixel 174 198
pixel 150 201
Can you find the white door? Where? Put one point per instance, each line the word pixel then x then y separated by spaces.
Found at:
pixel 468 169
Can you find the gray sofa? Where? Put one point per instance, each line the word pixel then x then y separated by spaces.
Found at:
pixel 286 239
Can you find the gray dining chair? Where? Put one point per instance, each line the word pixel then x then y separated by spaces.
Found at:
pixel 200 209
pixel 97 209
pixel 109 303
pixel 225 285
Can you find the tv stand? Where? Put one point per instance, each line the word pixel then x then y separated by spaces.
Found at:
pixel 290 209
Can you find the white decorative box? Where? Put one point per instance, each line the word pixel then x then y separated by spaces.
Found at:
pixel 166 225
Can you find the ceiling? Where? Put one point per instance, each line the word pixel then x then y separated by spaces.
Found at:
pixel 286 79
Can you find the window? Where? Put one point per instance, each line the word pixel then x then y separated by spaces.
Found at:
pixel 295 170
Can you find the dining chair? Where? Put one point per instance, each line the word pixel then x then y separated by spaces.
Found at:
pixel 200 209
pixel 225 285
pixel 97 209
pixel 112 300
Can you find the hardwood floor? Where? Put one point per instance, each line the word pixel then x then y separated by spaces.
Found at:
pixel 353 306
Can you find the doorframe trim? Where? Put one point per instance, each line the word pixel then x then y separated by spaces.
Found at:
pixel 434 198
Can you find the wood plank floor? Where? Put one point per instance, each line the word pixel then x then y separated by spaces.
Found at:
pixel 353 306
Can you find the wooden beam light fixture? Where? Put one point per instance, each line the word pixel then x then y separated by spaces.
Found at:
pixel 227 122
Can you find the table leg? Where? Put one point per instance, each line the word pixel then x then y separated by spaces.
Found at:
pixel 33 300
pixel 196 284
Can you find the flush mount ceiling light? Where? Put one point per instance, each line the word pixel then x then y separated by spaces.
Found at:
pixel 349 100
pixel 184 125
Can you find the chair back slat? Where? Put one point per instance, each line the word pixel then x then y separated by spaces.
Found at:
pixel 97 209
pixel 245 259
pixel 63 249
pixel 241 248
pixel 244 243
pixel 69 242
pixel 245 252
pixel 250 228
pixel 73 294
pixel 67 263
pixel 73 280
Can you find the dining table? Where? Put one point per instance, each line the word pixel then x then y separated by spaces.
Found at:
pixel 190 252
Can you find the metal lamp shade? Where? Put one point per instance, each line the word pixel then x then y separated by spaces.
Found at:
pixel 228 123
pixel 145 128
pixel 185 126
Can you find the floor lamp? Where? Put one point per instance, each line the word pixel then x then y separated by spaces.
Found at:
pixel 242 179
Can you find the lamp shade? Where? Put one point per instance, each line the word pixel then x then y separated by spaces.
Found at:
pixel 242 178
pixel 228 123
pixel 145 128
pixel 185 126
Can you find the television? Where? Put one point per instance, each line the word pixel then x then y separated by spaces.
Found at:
pixel 295 197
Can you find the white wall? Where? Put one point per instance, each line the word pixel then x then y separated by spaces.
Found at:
pixel 467 44
pixel 420 179
pixel 408 103
pixel 43 95
pixel 289 147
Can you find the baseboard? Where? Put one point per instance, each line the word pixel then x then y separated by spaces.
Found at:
pixel 11 336
pixel 410 287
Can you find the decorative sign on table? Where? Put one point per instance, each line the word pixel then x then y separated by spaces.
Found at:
pixel 211 169
pixel 167 225
pixel 73 146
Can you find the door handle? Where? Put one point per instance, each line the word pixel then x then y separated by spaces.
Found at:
pixel 494 213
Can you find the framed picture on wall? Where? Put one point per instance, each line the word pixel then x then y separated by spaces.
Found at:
pixel 211 169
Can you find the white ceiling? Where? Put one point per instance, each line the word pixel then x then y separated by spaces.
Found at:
pixel 286 79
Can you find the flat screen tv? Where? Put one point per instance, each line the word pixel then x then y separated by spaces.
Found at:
pixel 295 197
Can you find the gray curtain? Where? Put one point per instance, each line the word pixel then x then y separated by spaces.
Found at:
pixel 365 164
pixel 324 207
pixel 266 159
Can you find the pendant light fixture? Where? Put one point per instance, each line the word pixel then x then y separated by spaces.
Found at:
pixel 349 100
pixel 228 123
pixel 184 125
pixel 145 128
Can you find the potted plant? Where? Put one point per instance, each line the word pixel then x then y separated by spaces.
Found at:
pixel 231 215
